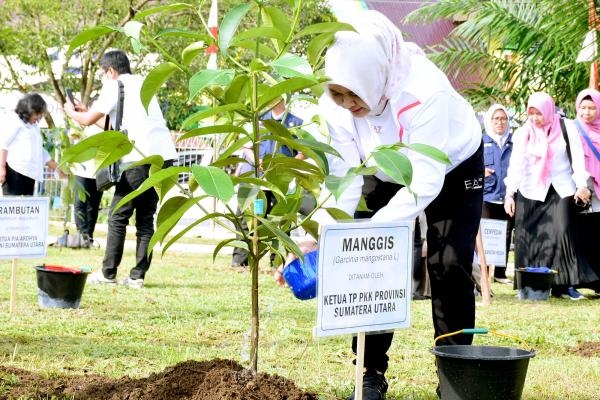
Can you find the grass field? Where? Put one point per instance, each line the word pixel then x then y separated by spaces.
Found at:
pixel 192 308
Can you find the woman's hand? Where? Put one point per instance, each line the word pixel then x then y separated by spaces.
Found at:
pixel 305 247
pixel 583 194
pixel 509 205
pixel 2 174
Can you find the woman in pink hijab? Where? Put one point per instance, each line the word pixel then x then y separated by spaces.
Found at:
pixel 588 127
pixel 541 183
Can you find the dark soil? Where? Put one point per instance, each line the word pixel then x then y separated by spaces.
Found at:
pixel 193 380
pixel 587 349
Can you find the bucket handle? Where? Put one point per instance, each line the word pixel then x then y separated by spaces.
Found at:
pixel 483 331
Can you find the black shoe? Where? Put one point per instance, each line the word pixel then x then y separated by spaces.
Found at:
pixel 374 386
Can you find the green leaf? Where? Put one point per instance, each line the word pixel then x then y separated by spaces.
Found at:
pixel 430 151
pixel 250 45
pixel 106 147
pixel 237 91
pixel 338 184
pixel 228 242
pixel 209 112
pixel 289 65
pixel 338 214
pixel 152 181
pixel 260 32
pixel 229 25
pixel 214 182
pixel 191 52
pixel 362 205
pixel 212 129
pixel 395 165
pixel 209 77
pixel 87 36
pixel 185 230
pixel 246 195
pixel 288 86
pixel 311 227
pixel 171 8
pixel 169 214
pixel 317 46
pixel 324 27
pixel 155 79
pixel 132 29
pixel 278 19
pixel 280 235
pixel 262 183
pixel 366 170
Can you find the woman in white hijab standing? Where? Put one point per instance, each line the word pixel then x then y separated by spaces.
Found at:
pixel 497 148
pixel 383 90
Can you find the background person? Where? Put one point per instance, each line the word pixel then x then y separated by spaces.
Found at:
pixel 588 124
pixel 497 148
pixel 540 185
pixel 383 90
pixel 149 132
pixel 87 197
pixel 22 153
pixel 279 113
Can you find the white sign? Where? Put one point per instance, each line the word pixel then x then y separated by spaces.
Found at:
pixel 23 226
pixel 493 233
pixel 364 277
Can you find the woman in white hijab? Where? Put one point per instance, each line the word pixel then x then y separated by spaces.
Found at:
pixel 497 148
pixel 383 90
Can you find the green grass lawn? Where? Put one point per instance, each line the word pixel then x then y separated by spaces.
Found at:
pixel 192 308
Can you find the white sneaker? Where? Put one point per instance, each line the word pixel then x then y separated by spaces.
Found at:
pixel 132 283
pixel 97 278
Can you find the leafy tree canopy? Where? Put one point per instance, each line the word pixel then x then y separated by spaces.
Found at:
pixel 512 48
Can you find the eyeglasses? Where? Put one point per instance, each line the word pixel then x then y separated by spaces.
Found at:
pixel 500 119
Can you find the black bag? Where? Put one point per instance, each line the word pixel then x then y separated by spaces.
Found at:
pixel 108 177
pixel 579 206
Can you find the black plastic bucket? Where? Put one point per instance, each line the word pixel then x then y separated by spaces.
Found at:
pixel 533 285
pixel 60 287
pixel 481 372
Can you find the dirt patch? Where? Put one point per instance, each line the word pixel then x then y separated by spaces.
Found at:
pixel 189 380
pixel 587 349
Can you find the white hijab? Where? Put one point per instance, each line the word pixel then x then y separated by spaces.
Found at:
pixel 489 126
pixel 371 62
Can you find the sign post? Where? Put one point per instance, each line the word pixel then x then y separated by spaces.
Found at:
pixel 364 281
pixel 23 232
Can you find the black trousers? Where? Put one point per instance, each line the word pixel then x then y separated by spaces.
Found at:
pixel 452 226
pixel 496 211
pixel 86 209
pixel 144 206
pixel 17 184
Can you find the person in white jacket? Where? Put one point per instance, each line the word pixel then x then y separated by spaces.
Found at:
pixel 383 90
pixel 541 184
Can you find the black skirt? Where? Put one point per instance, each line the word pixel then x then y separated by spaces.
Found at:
pixel 546 236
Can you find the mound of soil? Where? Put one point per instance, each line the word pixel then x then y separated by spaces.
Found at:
pixel 193 380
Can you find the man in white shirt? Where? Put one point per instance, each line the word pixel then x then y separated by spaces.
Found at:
pixel 148 131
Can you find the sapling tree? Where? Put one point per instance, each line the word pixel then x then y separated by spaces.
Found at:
pixel 264 67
